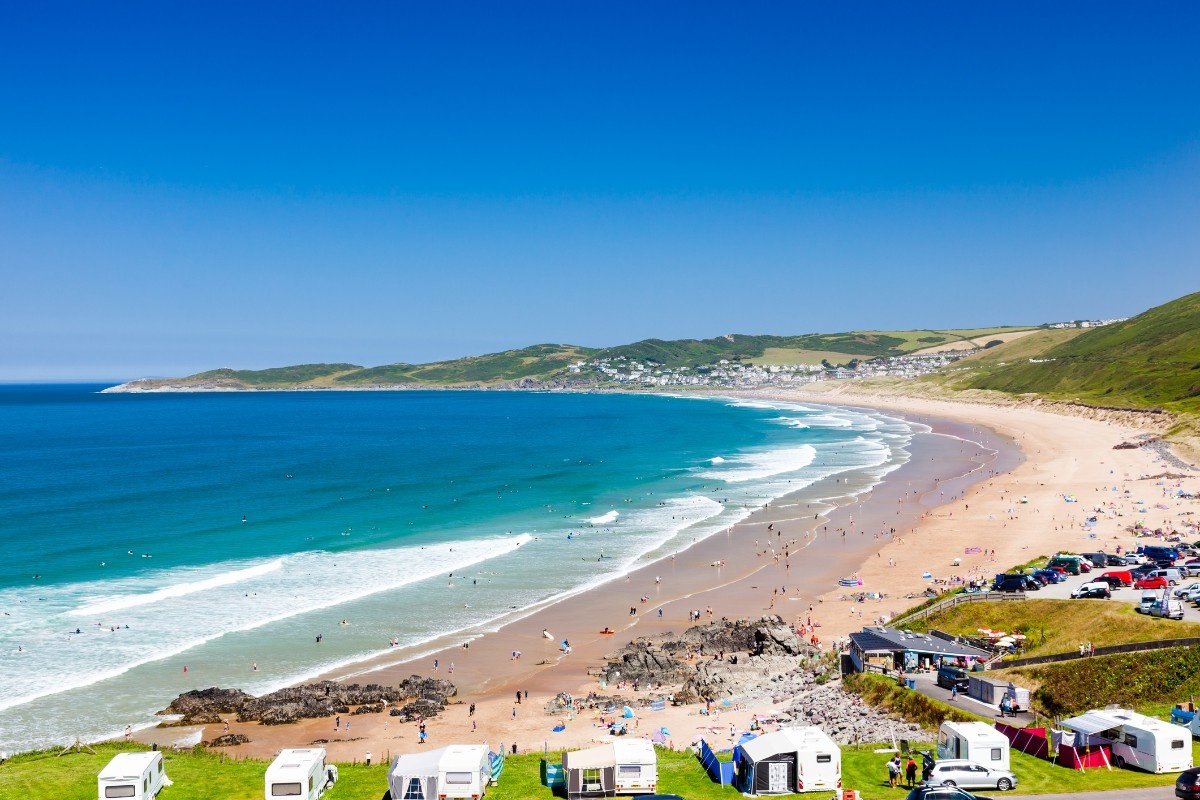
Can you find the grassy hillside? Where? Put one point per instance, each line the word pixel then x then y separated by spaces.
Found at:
pixel 1161 677
pixel 538 362
pixel 1058 626
pixel 1151 360
pixel 810 348
pixel 301 374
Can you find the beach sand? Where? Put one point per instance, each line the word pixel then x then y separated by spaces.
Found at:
pixel 962 489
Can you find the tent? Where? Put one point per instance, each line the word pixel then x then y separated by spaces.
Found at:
pixel 590 773
pixel 415 776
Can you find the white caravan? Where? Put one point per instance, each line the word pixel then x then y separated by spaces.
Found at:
pixel 464 771
pixel 136 775
pixel 1136 740
pixel 300 772
pixel 974 741
pixel 637 766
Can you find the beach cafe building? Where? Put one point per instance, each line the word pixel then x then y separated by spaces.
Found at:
pixel 880 649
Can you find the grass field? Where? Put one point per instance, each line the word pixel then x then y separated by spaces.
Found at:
pixel 1058 626
pixel 201 775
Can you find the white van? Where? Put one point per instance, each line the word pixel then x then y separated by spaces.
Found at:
pixel 1150 598
pixel 1172 575
pixel 136 775
pixel 299 772
pixel 1168 608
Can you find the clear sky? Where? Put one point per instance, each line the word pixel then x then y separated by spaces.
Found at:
pixel 190 186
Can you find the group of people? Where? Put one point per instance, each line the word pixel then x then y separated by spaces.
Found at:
pixel 898 770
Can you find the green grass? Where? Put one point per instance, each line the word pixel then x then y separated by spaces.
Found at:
pixel 1058 626
pixel 202 775
pixel 1151 360
pixel 883 692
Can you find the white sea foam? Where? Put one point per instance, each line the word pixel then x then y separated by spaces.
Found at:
pixel 759 466
pixel 605 518
pixel 122 602
pixel 716 460
pixel 173 624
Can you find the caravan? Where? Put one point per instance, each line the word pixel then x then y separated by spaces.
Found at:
pixel 300 772
pixel 136 775
pixel 789 760
pixel 637 766
pixel 974 741
pixel 1135 740
pixel 624 766
pixel 454 771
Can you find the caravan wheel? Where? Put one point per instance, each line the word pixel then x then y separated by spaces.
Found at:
pixel 1119 761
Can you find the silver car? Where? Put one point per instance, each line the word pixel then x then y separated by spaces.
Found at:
pixel 969 775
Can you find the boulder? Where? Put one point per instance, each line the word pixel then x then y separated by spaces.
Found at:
pixel 228 740
pixel 207 701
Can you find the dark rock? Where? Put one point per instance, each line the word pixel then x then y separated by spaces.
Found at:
pixel 228 740
pixel 205 701
pixel 370 708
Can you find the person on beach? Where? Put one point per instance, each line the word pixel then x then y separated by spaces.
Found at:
pixel 471 710
pixel 129 731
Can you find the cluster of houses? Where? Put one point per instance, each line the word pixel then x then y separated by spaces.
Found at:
pixel 727 374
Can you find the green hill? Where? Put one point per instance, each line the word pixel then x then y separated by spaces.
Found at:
pixel 539 362
pixel 1151 360
pixel 809 348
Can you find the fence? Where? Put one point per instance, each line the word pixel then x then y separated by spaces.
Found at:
pixel 720 771
pixel 956 600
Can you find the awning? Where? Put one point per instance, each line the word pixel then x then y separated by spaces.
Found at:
pixel 1092 722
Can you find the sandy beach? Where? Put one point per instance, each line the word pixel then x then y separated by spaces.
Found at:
pixel 983 491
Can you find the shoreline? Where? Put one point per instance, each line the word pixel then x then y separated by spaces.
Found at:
pixel 940 520
pixel 488 676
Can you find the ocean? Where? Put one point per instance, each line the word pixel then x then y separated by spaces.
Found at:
pixel 222 532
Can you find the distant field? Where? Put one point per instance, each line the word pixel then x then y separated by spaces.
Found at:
pixel 977 341
pixel 789 355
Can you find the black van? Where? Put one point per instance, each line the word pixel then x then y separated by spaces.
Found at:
pixel 1015 583
pixel 949 677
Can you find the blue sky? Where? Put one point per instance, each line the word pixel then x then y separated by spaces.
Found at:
pixel 188 187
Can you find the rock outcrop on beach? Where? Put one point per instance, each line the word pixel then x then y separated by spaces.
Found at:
pixel 757 663
pixel 228 740
pixel 311 701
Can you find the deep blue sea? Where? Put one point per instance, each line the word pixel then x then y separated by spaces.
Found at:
pixel 146 532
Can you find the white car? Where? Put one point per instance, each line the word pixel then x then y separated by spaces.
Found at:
pixel 969 775
pixel 1182 590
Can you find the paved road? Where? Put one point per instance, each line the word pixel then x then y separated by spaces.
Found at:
pixel 926 684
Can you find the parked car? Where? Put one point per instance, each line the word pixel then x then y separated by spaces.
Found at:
pixel 969 775
pixel 1170 608
pixel 1149 598
pixel 1158 582
pixel 1117 577
pixel 948 677
pixel 1187 785
pixel 1015 583
pixel 1097 559
pixel 924 792
pixel 1180 591
pixel 1098 589
pixel 1051 575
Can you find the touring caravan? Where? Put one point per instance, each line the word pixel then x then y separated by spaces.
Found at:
pixel 464 771
pixel 1135 740
pixel 637 766
pixel 300 772
pixel 624 766
pixel 136 775
pixel 974 741
pixel 786 761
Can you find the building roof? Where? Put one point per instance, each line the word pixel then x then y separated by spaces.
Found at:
pixel 890 640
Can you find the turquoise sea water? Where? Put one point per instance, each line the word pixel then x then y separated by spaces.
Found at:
pixel 214 531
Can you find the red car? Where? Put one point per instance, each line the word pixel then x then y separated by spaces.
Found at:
pixel 1151 583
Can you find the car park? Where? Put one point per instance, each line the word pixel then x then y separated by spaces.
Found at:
pixel 970 775
pixel 1096 589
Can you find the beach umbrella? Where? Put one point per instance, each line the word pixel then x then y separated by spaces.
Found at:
pixel 628 713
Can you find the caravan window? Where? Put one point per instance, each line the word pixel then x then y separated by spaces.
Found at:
pixel 630 771
pixel 128 790
pixel 824 758
pixel 1131 740
pixel 459 777
pixel 413 792
pixel 997 754
pixel 285 790
pixel 1177 744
